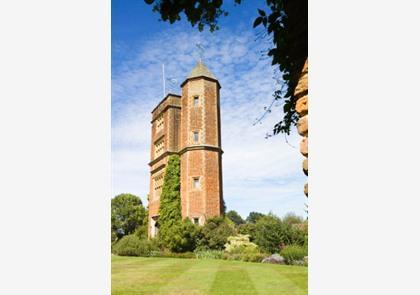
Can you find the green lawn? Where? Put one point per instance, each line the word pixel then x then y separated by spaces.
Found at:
pixel 138 275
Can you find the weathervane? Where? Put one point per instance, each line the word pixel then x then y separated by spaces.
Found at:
pixel 172 83
pixel 201 49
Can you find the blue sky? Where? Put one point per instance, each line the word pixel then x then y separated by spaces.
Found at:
pixel 258 174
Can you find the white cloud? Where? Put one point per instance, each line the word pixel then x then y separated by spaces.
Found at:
pixel 259 174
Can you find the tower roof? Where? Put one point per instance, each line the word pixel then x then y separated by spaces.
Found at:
pixel 200 70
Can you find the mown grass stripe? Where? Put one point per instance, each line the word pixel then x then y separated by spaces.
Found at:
pixel 150 278
pixel 298 275
pixel 231 278
pixel 137 276
pixel 273 280
pixel 197 280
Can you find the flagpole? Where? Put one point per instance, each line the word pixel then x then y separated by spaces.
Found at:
pixel 163 79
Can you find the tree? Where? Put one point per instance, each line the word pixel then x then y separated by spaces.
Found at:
pixel 127 214
pixel 235 217
pixel 215 232
pixel 253 217
pixel 269 233
pixel 248 229
pixel 286 23
pixel 170 201
pixel 292 218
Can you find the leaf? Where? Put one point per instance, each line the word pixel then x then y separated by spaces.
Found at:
pixel 149 1
pixel 265 21
pixel 271 52
pixel 257 21
pixel 261 12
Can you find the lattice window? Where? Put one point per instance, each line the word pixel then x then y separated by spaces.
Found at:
pixel 159 147
pixel 157 185
pixel 159 123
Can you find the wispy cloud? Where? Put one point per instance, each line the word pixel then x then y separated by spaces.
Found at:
pixel 259 174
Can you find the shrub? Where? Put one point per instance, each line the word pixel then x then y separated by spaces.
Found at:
pixel 131 245
pixel 240 248
pixel 246 257
pixel 269 233
pixel 215 233
pixel 253 257
pixel 293 253
pixel 169 254
pixel 292 218
pixel 248 229
pixel 184 236
pixel 240 244
pixel 127 246
pixel 208 254
pixel 141 232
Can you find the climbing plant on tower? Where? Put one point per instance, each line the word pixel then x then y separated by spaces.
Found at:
pixel 170 200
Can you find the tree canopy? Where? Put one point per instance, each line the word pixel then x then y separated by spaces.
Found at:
pixel 127 214
pixel 285 22
pixel 235 217
pixel 253 217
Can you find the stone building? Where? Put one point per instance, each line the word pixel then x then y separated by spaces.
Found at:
pixel 301 94
pixel 189 125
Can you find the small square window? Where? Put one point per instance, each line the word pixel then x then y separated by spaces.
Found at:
pixel 196 101
pixel 196 182
pixel 196 136
pixel 196 220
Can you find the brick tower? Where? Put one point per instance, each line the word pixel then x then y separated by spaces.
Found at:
pixel 200 146
pixel 166 119
pixel 189 125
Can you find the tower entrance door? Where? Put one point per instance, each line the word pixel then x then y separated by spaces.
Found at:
pixel 154 226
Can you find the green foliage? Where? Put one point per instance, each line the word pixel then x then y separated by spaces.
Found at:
pixel 272 233
pixel 169 254
pixel 249 229
pixel 292 218
pixel 208 254
pixel 253 217
pixel 286 23
pixel 131 245
pixel 170 202
pixel 215 233
pixel 184 237
pixel 127 213
pixel 235 217
pixel 114 237
pixel 240 248
pixel 294 253
pixel 246 257
pixel 240 244
pixel 199 12
pixel 269 233
pixel 141 232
